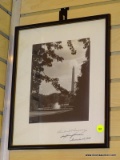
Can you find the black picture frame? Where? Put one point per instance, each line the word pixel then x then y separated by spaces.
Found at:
pixel 45 105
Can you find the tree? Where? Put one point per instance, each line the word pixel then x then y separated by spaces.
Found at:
pixel 81 98
pixel 44 55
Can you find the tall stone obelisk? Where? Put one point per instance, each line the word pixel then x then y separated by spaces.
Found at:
pixel 73 81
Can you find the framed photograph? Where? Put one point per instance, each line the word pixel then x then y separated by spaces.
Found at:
pixel 60 85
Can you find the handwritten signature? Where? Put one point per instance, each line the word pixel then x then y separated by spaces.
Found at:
pixel 74 134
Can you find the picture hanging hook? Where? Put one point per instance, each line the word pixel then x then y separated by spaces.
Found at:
pixel 63 14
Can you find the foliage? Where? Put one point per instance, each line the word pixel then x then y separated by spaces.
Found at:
pixel 70 45
pixel 81 98
pixel 43 55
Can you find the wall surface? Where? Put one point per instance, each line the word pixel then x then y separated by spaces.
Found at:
pixel 37 11
pixel 5 16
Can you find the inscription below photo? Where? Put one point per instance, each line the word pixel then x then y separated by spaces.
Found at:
pixel 60 74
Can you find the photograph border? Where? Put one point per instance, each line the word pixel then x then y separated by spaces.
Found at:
pixel 107 85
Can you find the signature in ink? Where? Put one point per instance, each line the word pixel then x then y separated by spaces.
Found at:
pixel 74 134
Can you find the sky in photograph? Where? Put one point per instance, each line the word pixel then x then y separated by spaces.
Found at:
pixel 63 70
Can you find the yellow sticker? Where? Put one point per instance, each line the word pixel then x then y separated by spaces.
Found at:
pixel 100 128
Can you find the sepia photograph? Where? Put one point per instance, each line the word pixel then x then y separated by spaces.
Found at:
pixel 60 81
